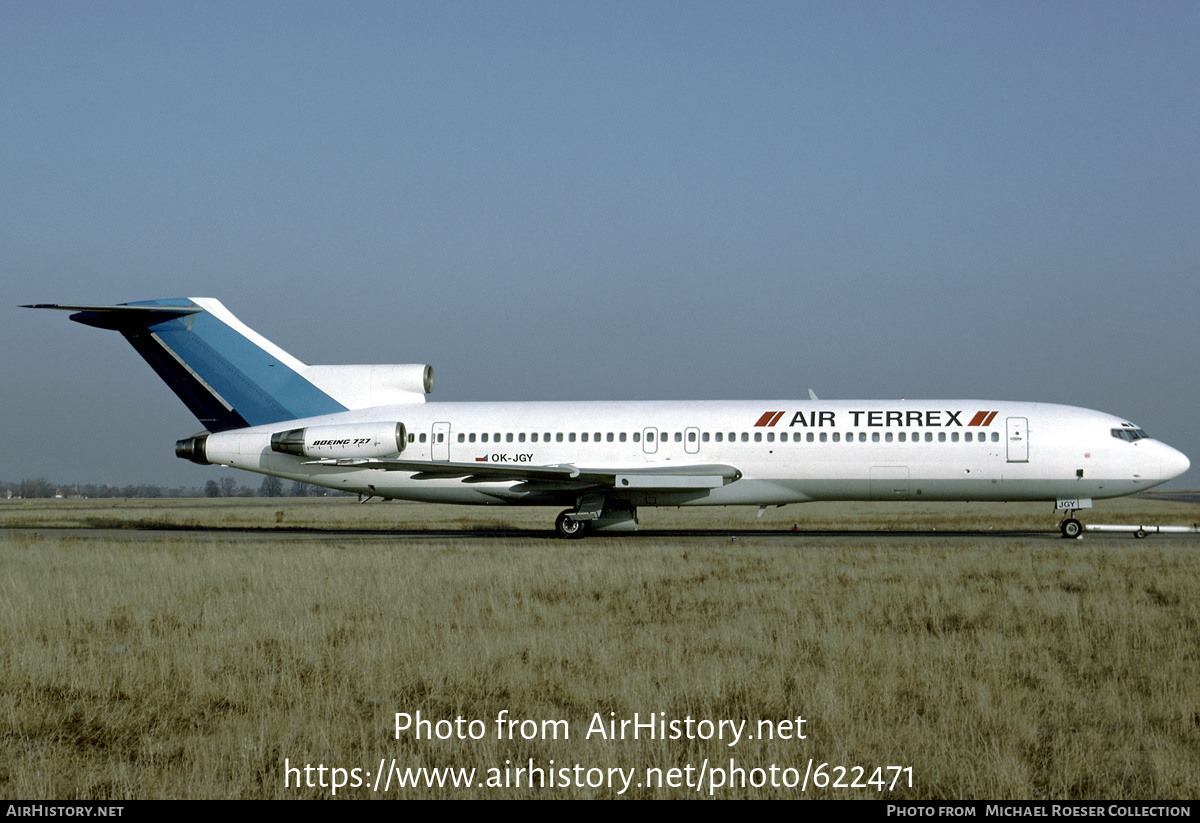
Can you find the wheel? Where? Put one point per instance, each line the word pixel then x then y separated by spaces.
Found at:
pixel 1071 528
pixel 568 528
pixel 1139 534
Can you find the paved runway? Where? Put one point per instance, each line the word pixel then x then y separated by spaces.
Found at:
pixel 152 522
pixel 687 536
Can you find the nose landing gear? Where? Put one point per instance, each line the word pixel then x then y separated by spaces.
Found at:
pixel 1071 528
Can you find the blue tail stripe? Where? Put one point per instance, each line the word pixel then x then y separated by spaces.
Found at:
pixel 260 388
pixel 212 412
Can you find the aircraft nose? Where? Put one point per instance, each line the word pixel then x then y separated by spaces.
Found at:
pixel 1173 463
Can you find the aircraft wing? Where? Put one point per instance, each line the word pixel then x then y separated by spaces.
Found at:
pixel 682 477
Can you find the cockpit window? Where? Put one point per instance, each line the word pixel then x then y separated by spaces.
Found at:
pixel 1130 434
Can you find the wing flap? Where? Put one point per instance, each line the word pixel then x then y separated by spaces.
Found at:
pixel 660 481
pixel 705 476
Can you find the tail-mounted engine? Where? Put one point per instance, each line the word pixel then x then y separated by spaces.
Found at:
pixel 350 440
pixel 244 449
pixel 193 448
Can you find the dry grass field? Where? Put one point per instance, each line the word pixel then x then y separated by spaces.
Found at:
pixel 143 657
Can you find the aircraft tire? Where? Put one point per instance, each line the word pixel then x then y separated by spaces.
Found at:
pixel 570 529
pixel 1071 528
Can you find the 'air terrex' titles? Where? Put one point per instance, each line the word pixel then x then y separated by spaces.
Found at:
pixel 908 418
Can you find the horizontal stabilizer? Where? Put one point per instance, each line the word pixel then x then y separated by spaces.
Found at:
pixel 121 316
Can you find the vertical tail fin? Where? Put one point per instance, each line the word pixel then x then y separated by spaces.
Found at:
pixel 228 375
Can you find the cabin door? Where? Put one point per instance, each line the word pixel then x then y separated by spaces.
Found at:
pixel 1018 440
pixel 440 441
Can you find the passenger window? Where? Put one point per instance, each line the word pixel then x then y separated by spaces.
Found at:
pixel 571 437
pixel 637 437
pixel 995 437
pixel 704 437
pixel 902 437
pixel 624 435
pixel 558 437
pixel 941 437
pixel 862 437
pixel 533 437
pixel 824 436
pixel 809 437
pixel 837 437
pixel 584 437
pixel 472 437
pixel 745 437
pixel 770 437
pixel 483 438
pixel 678 437
pixel 758 437
pixel 461 437
pixel 953 437
pixel 691 437
pixel 609 438
pixel 521 437
pixel 783 437
pixel 649 437
pixel 888 437
pixel 928 437
pixel 422 437
pixel 508 437
pixel 875 437
pixel 719 436
pixel 967 437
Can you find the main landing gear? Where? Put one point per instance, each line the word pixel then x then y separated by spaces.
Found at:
pixel 595 512
pixel 568 527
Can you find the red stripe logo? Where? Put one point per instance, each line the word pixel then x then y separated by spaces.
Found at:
pixel 983 418
pixel 769 418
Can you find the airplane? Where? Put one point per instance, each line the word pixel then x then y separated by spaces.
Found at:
pixel 368 429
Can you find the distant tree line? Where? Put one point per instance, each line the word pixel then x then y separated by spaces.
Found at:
pixel 225 487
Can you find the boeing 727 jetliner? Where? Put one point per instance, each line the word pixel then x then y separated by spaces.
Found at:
pixel 368 429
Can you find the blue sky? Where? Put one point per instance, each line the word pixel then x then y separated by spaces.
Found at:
pixel 603 200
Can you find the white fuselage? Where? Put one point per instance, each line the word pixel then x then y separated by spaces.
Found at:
pixel 786 451
pixel 368 429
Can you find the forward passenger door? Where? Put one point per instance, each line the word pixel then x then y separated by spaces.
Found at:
pixel 1018 440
